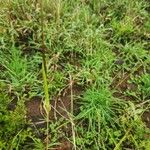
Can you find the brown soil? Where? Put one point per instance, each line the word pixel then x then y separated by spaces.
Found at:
pixel 34 109
pixel 146 118
pixel 66 145
pixel 120 84
pixel 60 108
pixel 12 104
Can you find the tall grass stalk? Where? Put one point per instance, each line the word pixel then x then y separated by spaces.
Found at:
pixel 10 22
pixel 46 102
pixel 71 118
pixel 58 5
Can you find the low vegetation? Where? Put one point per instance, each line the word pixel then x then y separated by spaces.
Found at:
pixel 74 74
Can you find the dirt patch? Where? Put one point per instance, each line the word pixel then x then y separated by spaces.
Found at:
pixel 60 108
pixel 121 82
pixel 146 118
pixel 12 105
pixel 121 85
pixel 34 109
pixel 66 145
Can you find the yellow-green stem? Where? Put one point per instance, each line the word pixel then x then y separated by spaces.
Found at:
pixel 46 102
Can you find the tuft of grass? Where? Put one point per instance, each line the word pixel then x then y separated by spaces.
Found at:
pixel 17 70
pixel 96 107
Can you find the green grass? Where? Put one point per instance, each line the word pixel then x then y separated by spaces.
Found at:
pixel 96 106
pixel 17 69
pixel 97 57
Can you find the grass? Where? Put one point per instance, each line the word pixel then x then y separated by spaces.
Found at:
pixel 17 70
pixel 96 106
pixel 88 61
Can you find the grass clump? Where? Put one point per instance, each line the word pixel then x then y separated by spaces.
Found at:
pixel 96 106
pixel 17 70
pixel 109 122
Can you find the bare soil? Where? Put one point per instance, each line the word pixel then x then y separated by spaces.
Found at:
pixel 60 108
